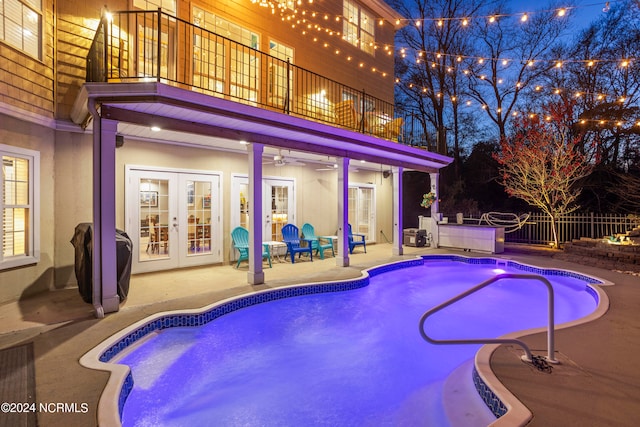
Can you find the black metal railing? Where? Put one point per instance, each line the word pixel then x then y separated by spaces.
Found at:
pixel 136 46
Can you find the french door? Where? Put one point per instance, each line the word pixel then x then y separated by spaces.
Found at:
pixel 173 218
pixel 278 206
pixel 362 210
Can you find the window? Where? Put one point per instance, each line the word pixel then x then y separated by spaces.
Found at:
pixel 358 27
pixel 167 6
pixel 286 4
pixel 278 83
pixel 21 25
pixel 237 72
pixel 357 102
pixel 19 207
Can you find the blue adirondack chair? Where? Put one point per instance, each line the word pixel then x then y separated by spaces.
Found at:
pixel 291 237
pixel 356 240
pixel 240 237
pixel 318 244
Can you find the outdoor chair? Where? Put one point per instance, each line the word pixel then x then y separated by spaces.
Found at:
pixel 356 240
pixel 291 237
pixel 240 237
pixel 346 114
pixel 392 129
pixel 308 233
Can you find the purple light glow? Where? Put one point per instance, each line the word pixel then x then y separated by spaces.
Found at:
pixel 345 358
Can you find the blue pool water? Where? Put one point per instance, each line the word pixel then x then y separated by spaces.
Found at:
pixel 343 358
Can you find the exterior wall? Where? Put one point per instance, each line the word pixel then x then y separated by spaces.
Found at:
pixel 77 22
pixel 73 201
pixel 310 54
pixel 34 93
pixel 24 281
pixel 316 201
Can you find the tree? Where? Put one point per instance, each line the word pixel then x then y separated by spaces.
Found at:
pixel 509 57
pixel 603 77
pixel 429 66
pixel 541 164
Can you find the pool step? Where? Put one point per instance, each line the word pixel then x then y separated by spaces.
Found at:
pixel 462 403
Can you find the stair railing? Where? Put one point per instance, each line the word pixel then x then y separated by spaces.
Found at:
pixel 528 357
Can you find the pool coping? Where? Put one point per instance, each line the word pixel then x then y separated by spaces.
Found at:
pixel 509 409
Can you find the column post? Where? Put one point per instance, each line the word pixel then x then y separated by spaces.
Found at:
pixel 104 259
pixel 435 208
pixel 342 260
pixel 397 210
pixel 255 276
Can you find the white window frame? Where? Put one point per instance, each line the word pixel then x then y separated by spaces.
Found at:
pixel 30 10
pixel 277 87
pixel 168 6
pixel 358 26
pixel 33 239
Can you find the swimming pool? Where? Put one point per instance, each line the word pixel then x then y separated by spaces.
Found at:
pixel 332 358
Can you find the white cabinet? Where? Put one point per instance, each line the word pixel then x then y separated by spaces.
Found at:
pixel 471 237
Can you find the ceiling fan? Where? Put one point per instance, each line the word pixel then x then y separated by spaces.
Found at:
pixel 279 160
pixel 332 167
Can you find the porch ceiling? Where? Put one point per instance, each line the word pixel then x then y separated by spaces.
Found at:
pixel 222 124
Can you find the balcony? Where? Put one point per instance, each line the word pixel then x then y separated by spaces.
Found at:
pixel 152 46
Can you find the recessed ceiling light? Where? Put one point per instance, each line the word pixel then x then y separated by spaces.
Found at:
pixel 155 128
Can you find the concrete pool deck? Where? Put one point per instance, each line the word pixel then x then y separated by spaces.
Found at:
pixel 598 383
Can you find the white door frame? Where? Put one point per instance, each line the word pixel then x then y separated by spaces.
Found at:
pixel 238 179
pixel 177 221
pixel 371 237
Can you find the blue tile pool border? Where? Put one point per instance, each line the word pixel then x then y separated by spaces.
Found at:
pixel 198 319
pixel 517 265
pixel 493 402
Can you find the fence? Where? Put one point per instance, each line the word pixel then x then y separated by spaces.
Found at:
pixel 537 230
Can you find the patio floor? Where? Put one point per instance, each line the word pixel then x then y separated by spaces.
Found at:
pixel 599 384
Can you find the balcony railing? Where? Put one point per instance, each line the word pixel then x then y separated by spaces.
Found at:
pixel 137 46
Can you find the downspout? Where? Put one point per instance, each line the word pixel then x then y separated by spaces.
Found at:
pixel 95 290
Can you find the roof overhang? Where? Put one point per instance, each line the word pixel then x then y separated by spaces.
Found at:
pixel 180 110
pixel 383 9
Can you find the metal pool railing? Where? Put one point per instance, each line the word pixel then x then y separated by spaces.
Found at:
pixel 528 356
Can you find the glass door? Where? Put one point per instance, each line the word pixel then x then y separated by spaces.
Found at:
pixel 173 219
pixel 278 205
pixel 153 220
pixel 279 208
pixel 362 211
pixel 200 219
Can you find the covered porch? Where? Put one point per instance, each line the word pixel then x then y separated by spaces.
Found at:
pixel 119 111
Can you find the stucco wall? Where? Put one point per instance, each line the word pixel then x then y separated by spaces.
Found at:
pixel 73 203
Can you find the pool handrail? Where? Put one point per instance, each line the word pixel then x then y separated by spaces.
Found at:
pixel 528 356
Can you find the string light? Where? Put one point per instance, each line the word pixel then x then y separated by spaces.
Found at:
pixel 283 9
pixel 464 21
